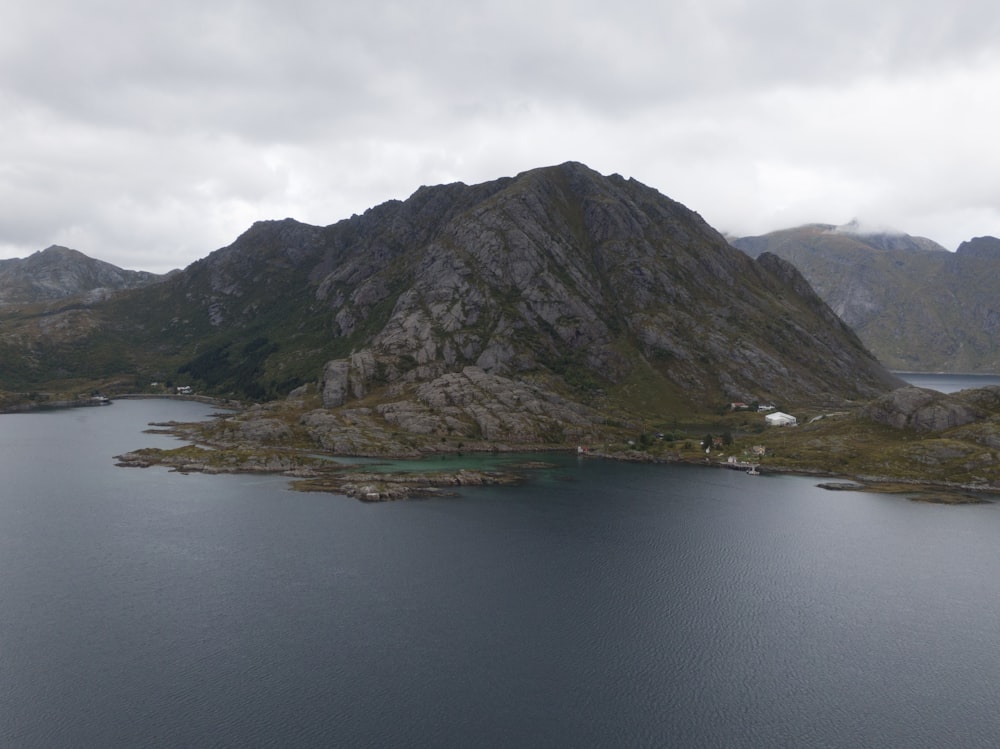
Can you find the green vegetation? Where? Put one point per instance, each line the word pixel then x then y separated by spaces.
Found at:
pixel 233 368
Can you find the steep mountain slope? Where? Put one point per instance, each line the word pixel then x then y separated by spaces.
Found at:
pixel 916 306
pixel 59 272
pixel 518 306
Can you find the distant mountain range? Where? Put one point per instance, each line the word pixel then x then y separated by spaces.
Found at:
pixel 917 306
pixel 520 309
pixel 59 272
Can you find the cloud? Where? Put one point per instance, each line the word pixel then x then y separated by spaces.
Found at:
pixel 148 136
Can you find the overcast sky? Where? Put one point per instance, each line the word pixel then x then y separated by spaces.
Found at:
pixel 149 134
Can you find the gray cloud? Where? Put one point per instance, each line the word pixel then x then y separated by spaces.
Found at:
pixel 148 136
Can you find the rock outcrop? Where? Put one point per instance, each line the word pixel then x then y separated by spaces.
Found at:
pixel 334 384
pixel 921 409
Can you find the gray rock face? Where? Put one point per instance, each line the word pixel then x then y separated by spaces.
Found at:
pixel 982 247
pixel 486 406
pixel 59 272
pixel 263 430
pixel 335 383
pixel 495 312
pixel 565 271
pixel 920 409
pixel 917 306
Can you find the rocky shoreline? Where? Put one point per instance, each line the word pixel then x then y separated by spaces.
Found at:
pixel 27 405
pixel 30 406
pixel 312 473
pixel 321 474
pixel 951 462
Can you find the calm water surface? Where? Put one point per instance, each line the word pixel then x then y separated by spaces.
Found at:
pixel 949 383
pixel 598 605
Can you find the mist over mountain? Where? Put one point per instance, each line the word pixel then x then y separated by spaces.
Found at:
pixel 515 308
pixel 915 305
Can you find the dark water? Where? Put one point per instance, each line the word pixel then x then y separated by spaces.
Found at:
pixel 949 383
pixel 600 605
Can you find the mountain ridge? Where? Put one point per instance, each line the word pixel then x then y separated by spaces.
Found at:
pixel 527 308
pixel 916 307
pixel 59 272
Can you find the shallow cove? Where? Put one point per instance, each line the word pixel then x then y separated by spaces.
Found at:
pixel 599 604
pixel 457 462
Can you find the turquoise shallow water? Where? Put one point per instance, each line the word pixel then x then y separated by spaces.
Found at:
pixel 599 604
pixel 458 461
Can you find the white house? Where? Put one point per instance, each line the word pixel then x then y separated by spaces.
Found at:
pixel 779 419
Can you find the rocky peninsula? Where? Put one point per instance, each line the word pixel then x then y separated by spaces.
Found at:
pixel 923 444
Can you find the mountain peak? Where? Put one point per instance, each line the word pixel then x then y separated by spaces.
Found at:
pixel 58 272
pixel 984 247
pixel 558 274
pixel 60 251
pixel 887 238
pixel 536 308
pixel 917 306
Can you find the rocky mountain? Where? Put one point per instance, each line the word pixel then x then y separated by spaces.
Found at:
pixel 525 309
pixel 820 238
pixel 59 272
pixel 987 248
pixel 917 306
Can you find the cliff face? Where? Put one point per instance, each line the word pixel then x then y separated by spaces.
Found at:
pixel 59 272
pixel 916 306
pixel 516 309
pixel 558 271
pixel 987 248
